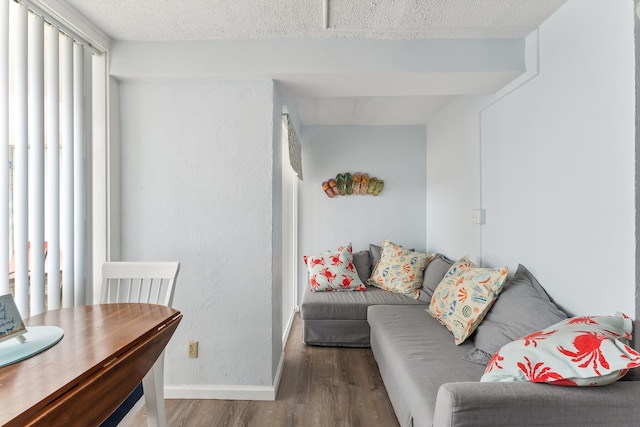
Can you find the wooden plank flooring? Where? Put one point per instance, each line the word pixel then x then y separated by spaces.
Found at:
pixel 320 387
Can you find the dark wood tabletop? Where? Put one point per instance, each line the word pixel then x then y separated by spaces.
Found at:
pixel 105 352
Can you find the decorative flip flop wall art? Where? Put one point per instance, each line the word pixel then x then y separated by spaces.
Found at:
pixel 346 184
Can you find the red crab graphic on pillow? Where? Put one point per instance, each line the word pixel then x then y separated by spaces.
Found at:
pixel 328 274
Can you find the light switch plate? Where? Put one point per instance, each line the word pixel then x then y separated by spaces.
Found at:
pixel 478 216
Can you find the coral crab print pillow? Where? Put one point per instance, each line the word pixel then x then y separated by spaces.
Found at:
pixel 333 271
pixel 581 351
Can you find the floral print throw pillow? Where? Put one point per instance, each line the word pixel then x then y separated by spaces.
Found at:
pixel 580 351
pixel 333 271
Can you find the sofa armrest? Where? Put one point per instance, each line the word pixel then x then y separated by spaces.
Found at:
pixel 527 404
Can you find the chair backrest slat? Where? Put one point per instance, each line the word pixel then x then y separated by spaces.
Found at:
pixel 139 294
pixel 148 282
pixel 130 283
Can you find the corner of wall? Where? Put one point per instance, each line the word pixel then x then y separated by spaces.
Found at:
pixel 636 27
pixel 532 66
pixel 277 249
pixel 113 171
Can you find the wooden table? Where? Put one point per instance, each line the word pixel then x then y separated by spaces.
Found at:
pixel 105 352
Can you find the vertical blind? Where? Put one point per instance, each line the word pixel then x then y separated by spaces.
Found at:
pixel 44 76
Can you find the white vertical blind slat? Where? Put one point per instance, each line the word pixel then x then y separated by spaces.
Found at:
pixel 36 159
pixel 78 166
pixel 4 146
pixel 44 125
pixel 66 184
pixel 52 220
pixel 20 164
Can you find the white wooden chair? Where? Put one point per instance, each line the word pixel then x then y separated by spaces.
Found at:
pixel 144 282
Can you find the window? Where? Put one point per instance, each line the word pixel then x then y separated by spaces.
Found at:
pixel 45 142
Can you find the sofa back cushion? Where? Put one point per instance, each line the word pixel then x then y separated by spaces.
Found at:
pixel 362 263
pixel 436 269
pixel 522 308
pixel 376 253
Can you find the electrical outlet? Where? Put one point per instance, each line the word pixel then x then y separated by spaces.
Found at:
pixel 192 350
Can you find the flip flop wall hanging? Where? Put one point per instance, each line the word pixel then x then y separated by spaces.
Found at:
pixel 346 184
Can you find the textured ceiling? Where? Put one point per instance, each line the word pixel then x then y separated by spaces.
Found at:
pixel 147 20
pixel 331 100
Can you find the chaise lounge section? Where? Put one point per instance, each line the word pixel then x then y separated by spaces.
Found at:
pixel 430 383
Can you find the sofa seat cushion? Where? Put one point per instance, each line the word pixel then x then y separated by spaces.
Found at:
pixel 416 355
pixel 349 305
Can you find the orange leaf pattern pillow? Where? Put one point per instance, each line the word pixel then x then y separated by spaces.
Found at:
pixel 581 351
pixel 333 271
pixel 400 270
pixel 465 295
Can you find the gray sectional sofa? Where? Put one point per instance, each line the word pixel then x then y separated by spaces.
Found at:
pixel 432 382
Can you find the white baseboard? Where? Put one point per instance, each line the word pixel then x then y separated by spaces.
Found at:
pixel 278 375
pixel 228 392
pixel 287 329
pixel 220 392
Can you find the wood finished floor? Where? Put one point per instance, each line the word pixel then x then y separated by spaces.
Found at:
pixel 320 387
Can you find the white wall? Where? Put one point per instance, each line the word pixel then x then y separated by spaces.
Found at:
pixel 453 179
pixel 393 153
pixel 197 161
pixel 325 67
pixel 277 242
pixel 557 163
pixel 289 237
